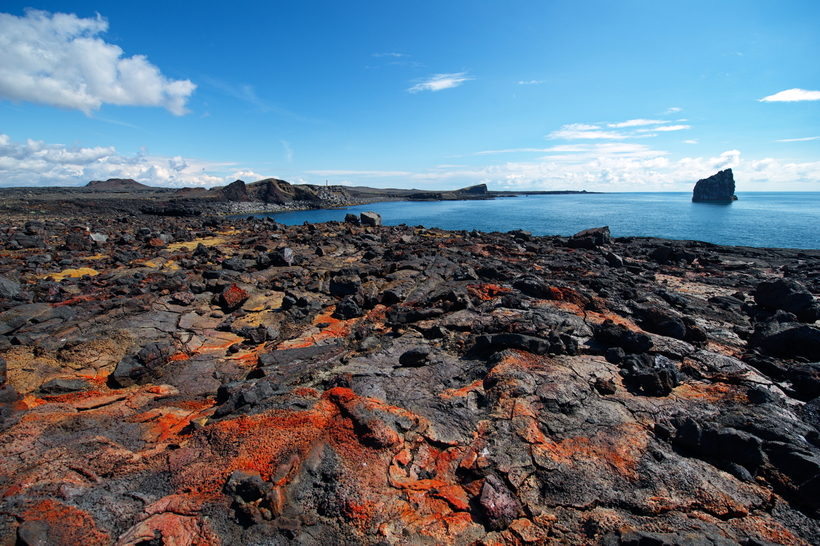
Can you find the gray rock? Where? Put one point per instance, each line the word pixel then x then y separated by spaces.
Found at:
pixel 371 218
pixel 9 288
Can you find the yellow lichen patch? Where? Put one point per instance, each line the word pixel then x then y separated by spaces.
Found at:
pixel 96 257
pixel 191 245
pixel 73 273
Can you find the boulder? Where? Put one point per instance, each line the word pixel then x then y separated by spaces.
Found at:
pixel 590 238
pixel 9 288
pixel 788 295
pixel 783 337
pixel 371 218
pixel 718 187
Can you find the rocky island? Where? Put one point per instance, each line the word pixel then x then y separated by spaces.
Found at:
pixel 174 377
pixel 719 187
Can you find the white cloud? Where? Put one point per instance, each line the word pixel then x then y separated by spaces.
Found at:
pixel 35 163
pixel 58 60
pixel 667 128
pixel 673 110
pixel 583 131
pixel 690 141
pixel 792 95
pixel 245 176
pixel 606 166
pixel 531 82
pixel 798 139
pixel 631 168
pixel 390 55
pixel 636 123
pixel 726 160
pixel 438 82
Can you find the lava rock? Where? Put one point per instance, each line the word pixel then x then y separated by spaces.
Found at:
pixel 590 238
pixel 788 295
pixel 499 504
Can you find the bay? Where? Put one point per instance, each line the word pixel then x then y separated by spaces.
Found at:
pixel 759 219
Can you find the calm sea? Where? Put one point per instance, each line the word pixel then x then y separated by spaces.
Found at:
pixel 782 219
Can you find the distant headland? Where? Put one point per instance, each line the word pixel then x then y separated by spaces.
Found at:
pixel 268 195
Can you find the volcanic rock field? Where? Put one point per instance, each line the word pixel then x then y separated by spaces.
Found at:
pixel 204 380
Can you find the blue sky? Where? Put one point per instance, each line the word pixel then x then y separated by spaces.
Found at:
pixel 591 95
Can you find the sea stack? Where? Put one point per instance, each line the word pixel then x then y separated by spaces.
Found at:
pixel 718 187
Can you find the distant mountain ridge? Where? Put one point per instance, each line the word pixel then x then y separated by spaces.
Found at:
pixel 123 184
pixel 273 190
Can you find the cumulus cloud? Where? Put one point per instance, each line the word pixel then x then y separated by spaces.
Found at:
pixel 438 82
pixel 726 160
pixel 59 60
pixel 245 176
pixel 792 95
pixel 35 163
pixel 625 167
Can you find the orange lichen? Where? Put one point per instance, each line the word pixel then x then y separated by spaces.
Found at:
pixel 176 357
pixel 713 392
pixel 176 529
pixel 476 385
pixel 619 447
pixel 65 525
pixel 486 292
pixel 165 422
pixel 331 328
pixel 72 397
pixel 768 529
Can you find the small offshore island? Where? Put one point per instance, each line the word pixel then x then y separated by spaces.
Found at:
pixel 173 375
pixel 718 188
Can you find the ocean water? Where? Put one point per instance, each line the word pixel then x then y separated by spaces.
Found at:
pixel 759 219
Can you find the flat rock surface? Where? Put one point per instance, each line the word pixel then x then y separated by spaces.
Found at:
pixel 213 381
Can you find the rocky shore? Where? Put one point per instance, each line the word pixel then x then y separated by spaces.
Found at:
pixel 201 380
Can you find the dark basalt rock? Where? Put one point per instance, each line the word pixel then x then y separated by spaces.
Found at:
pixel 788 295
pixel 719 187
pixel 590 238
pixel 783 337
pixel 403 385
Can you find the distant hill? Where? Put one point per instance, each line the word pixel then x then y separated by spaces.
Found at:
pixel 121 184
pixel 273 190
